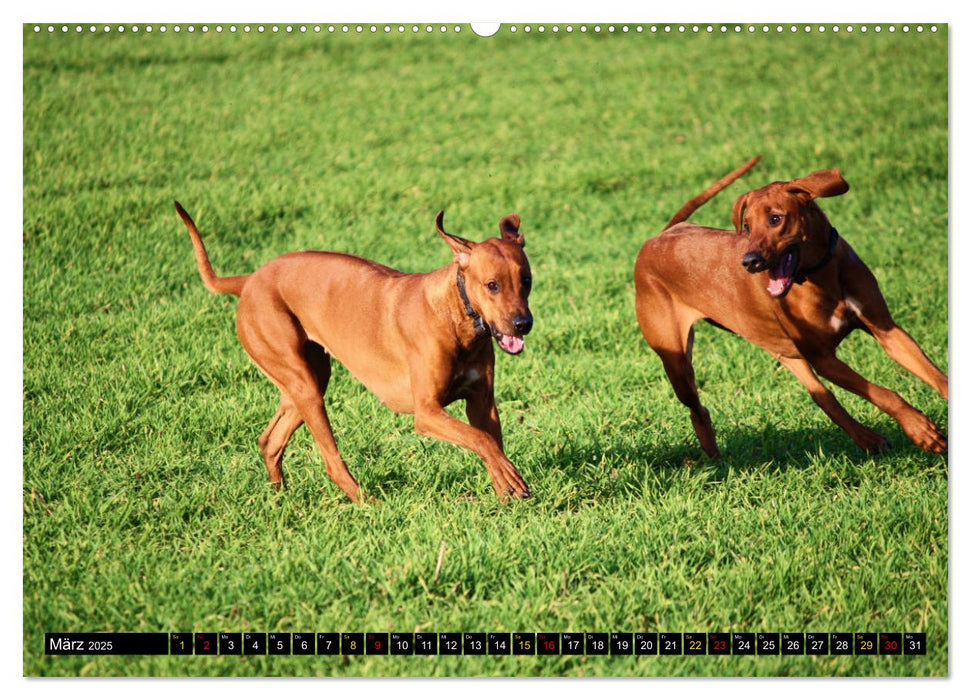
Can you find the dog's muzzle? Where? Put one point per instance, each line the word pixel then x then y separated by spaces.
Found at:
pixel 513 344
pixel 753 261
pixel 523 324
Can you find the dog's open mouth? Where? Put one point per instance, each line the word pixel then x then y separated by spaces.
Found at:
pixel 513 344
pixel 783 274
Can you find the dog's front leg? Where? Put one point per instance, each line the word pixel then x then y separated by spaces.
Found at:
pixel 431 419
pixel 866 301
pixel 863 436
pixel 481 410
pixel 918 427
pixel 907 353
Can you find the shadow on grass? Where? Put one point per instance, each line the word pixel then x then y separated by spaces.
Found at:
pixel 585 470
pixel 623 467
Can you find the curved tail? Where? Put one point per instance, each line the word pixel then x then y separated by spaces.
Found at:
pixel 689 208
pixel 216 285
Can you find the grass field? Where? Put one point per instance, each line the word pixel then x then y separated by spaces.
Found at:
pixel 146 504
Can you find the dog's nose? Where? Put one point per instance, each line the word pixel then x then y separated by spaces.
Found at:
pixel 753 261
pixel 523 324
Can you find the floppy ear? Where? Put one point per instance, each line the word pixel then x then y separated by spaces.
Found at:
pixel 738 212
pixel 822 183
pixel 460 247
pixel 509 229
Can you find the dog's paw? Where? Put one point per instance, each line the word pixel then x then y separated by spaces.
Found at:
pixel 933 440
pixel 922 431
pixel 508 482
pixel 510 491
pixel 870 441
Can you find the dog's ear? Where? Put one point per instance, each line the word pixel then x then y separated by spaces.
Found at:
pixel 822 183
pixel 509 230
pixel 738 212
pixel 460 247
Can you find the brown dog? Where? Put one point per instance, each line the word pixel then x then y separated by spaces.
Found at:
pixel 417 341
pixel 786 281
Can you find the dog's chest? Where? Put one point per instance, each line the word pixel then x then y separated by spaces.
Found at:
pixel 844 317
pixel 838 321
pixel 811 317
pixel 826 320
pixel 465 377
pixel 462 383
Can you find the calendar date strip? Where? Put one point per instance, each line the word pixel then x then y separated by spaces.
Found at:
pixel 486 643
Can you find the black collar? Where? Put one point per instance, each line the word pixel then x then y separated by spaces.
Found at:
pixel 834 237
pixel 480 326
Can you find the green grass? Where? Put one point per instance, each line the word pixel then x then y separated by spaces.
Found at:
pixel 146 504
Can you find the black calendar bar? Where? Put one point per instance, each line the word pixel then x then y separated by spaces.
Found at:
pixel 757 644
pixel 106 643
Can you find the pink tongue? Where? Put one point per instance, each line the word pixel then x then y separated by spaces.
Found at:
pixel 779 277
pixel 511 343
pixel 777 285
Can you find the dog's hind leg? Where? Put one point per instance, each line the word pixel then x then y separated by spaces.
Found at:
pixel 681 373
pixel 668 328
pixel 274 439
pixel 300 369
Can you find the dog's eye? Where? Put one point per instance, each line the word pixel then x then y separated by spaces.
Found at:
pixel 775 219
pixel 527 282
pixel 492 286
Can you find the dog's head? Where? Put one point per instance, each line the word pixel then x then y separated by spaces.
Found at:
pixel 497 281
pixel 782 221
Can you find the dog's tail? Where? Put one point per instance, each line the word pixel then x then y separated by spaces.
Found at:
pixel 216 285
pixel 689 208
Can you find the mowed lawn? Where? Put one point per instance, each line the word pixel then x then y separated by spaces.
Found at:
pixel 146 502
